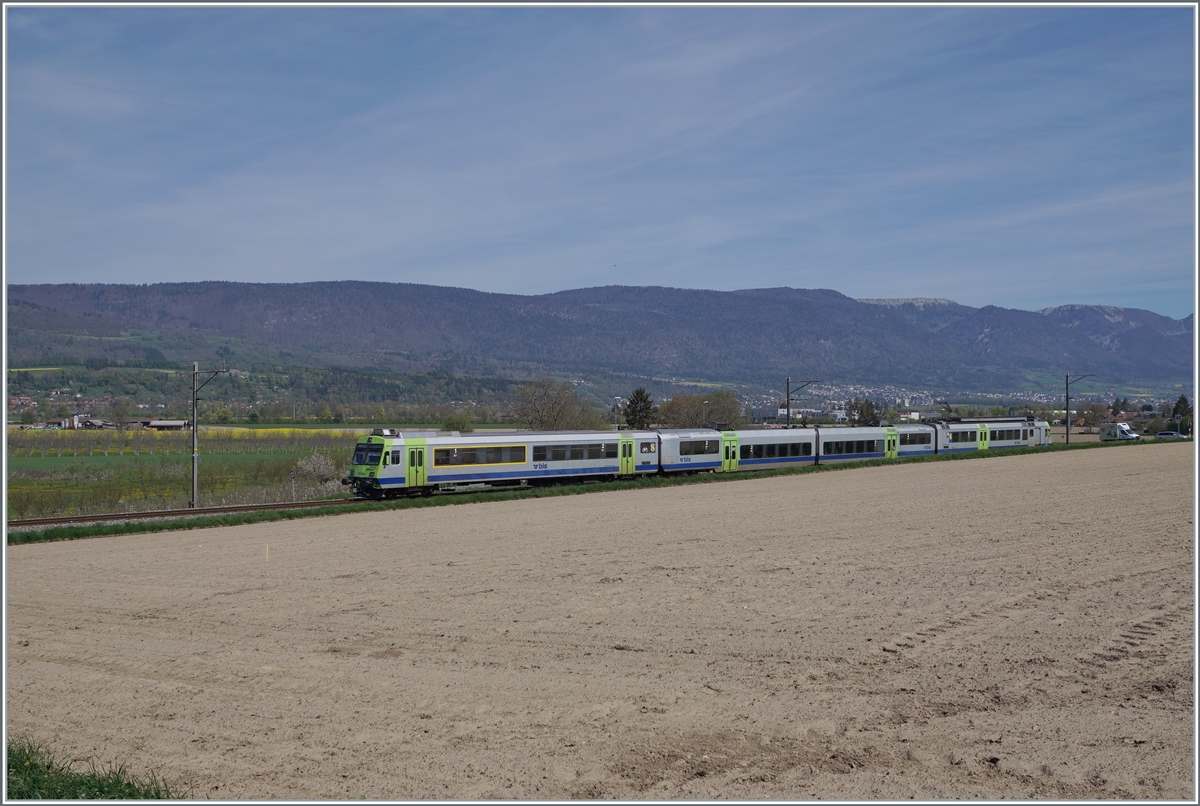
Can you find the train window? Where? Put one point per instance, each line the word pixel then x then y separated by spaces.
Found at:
pixel 685 448
pixel 649 447
pixel 558 453
pixel 610 450
pixel 794 449
pixel 595 451
pixel 904 439
pixel 499 454
pixel 839 447
pixel 745 451
pixel 808 448
pixel 577 452
pixel 871 445
pixel 539 453
pixel 828 448
pixel 769 451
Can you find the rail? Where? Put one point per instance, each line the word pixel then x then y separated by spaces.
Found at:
pixel 178 513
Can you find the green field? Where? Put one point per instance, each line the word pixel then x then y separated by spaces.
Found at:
pixel 87 473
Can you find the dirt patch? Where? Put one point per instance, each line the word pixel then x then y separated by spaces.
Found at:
pixel 1010 627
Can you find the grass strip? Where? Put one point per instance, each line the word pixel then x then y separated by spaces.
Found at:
pixel 503 494
pixel 35 772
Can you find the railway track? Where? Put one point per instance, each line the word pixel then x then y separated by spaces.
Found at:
pixel 177 513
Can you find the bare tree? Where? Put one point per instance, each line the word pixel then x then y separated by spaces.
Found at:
pixel 120 410
pixel 549 405
pixel 692 411
pixel 1093 414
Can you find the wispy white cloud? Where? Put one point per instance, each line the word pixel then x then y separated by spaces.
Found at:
pixel 881 152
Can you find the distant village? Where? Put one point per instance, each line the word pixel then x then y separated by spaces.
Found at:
pixel 74 412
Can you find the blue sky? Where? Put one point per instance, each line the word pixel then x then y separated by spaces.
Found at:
pixel 1024 157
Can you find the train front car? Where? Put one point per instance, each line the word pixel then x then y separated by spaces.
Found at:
pixel 387 463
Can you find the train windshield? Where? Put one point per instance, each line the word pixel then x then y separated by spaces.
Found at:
pixel 367 454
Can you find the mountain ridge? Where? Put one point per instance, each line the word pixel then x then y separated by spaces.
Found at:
pixel 748 335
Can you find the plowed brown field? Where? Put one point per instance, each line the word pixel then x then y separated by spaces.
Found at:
pixel 1007 627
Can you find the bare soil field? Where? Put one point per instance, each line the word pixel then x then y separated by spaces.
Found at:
pixel 1010 627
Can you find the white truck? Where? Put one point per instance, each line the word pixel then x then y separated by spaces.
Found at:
pixel 1111 432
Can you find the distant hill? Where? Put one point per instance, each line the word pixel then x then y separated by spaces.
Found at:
pixel 930 314
pixel 751 336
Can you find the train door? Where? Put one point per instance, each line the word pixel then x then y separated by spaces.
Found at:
pixel 418 471
pixel 729 457
pixel 983 437
pixel 627 460
pixel 891 443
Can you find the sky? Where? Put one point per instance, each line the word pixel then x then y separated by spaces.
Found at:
pixel 1024 157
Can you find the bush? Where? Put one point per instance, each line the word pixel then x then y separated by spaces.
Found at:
pixel 458 421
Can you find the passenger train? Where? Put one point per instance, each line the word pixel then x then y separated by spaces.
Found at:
pixel 391 463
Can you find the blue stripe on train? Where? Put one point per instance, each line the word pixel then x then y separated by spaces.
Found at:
pixel 835 457
pixel 774 460
pixel 439 477
pixel 693 465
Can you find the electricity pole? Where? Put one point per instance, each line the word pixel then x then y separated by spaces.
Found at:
pixel 789 396
pixel 196 373
pixel 1067 416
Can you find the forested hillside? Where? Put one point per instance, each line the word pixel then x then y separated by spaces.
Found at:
pixel 746 336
